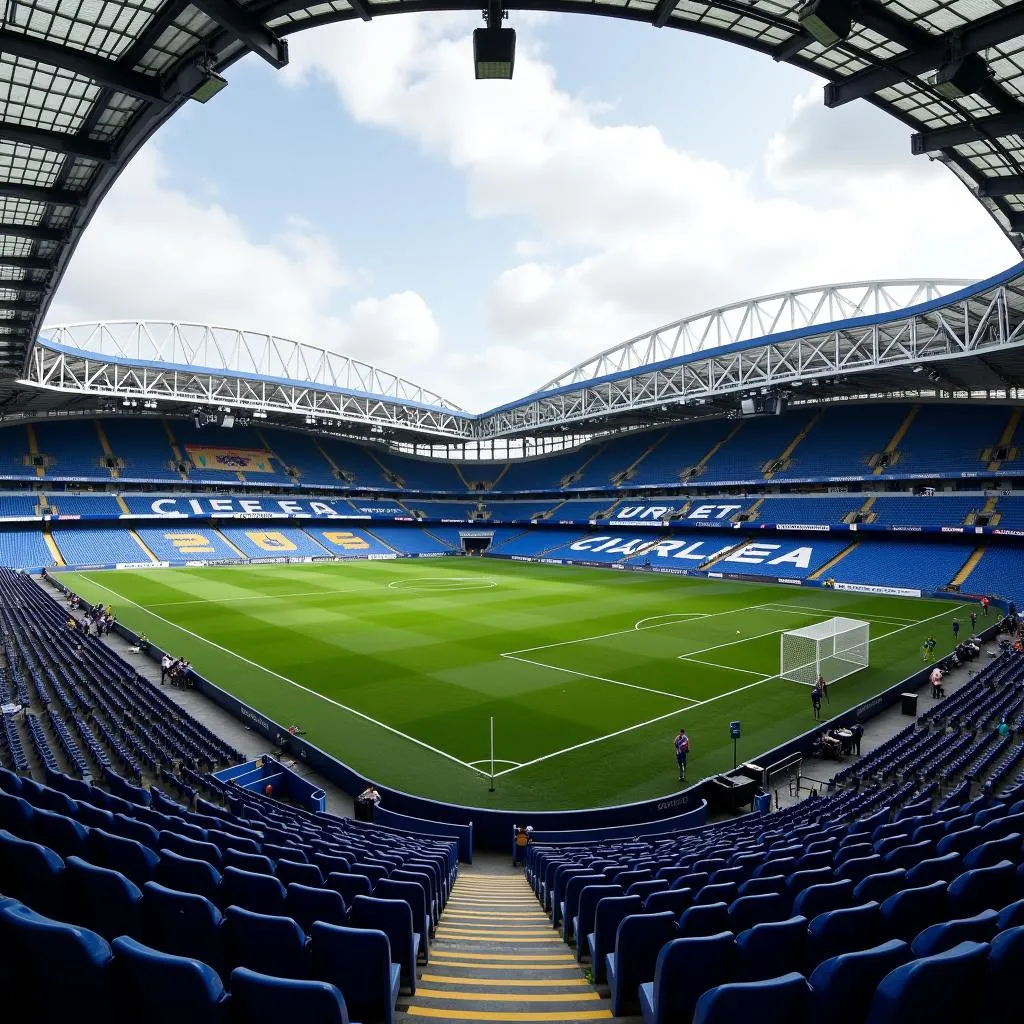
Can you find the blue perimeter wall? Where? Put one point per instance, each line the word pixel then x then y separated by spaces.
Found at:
pixel 493 829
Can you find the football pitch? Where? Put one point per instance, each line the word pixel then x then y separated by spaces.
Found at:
pixel 397 667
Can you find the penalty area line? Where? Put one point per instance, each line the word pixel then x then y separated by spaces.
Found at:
pixel 600 679
pixel 291 682
pixel 725 668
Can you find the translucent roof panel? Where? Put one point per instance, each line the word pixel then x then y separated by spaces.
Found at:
pixel 84 83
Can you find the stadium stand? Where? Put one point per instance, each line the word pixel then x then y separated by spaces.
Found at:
pixel 98 546
pixel 543 473
pixel 84 505
pixel 998 574
pixel 72 450
pixel 410 540
pixel 193 441
pixel 144 448
pixel 940 510
pixel 25 548
pixel 356 464
pixel 299 452
pixel 424 474
pixel 680 452
pixel 521 511
pixel 16 444
pixel 185 542
pixel 19 506
pixel 272 539
pixel 460 511
pixel 347 542
pixel 923 566
pixel 941 440
pixel 756 446
pixel 807 510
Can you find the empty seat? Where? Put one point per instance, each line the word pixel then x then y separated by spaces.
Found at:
pixel 817 899
pixel 771 949
pixel 307 904
pixel 841 931
pixel 976 890
pixel 104 901
pixel 413 894
pixel 776 1001
pixel 162 989
pixel 860 867
pixel 247 861
pixel 261 999
pixel 638 941
pixel 935 869
pixel 583 923
pixel 571 903
pixel 684 970
pixel 1000 991
pixel 676 900
pixel 843 986
pixel 65 836
pixel 910 911
pixel 879 887
pixel 33 874
pixel 940 987
pixel 746 911
pixel 265 943
pixel 358 962
pixel 184 924
pixel 263 894
pixel 394 918
pixel 601 941
pixel 764 885
pixel 985 855
pixel 937 938
pixel 61 970
pixel 187 874
pixel 190 847
pixel 293 871
pixel 128 856
pixel 348 885
pixel 724 892
pixel 709 919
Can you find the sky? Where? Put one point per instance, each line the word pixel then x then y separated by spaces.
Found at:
pixel 479 238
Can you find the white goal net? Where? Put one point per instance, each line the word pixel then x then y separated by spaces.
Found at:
pixel 835 648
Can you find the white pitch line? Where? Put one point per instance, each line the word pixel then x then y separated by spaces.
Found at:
pixel 732 643
pixel 291 682
pixel 602 679
pixel 825 611
pixel 728 668
pixel 698 704
pixel 632 629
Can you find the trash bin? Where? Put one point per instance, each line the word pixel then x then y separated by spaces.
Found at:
pixel 364 810
pixel 763 803
pixel 909 704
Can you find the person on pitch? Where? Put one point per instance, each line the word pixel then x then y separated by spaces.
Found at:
pixel 823 686
pixel 682 750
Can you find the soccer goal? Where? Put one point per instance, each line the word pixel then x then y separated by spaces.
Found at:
pixel 835 648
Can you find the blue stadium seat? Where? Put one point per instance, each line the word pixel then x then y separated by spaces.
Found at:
pixel 709 919
pixel 937 938
pixel 773 1002
pixel 764 885
pixel 295 871
pixel 771 949
pixel 131 858
pixel 261 999
pixel 104 901
pixel 985 855
pixel 638 940
pixel 263 894
pixel 746 911
pixel 940 987
pixel 879 887
pixel 413 894
pixel 359 962
pixel 307 904
pixel 609 913
pixel 723 892
pixel 583 923
pixel 999 996
pixel 842 931
pixel 58 968
pixel 65 836
pixel 935 869
pixel 394 918
pixel 348 885
pixel 685 969
pixel 265 943
pixel 254 862
pixel 974 891
pixel 675 900
pixel 906 913
pixel 184 924
pixel 33 874
pixel 162 989
pixel 843 986
pixel 188 874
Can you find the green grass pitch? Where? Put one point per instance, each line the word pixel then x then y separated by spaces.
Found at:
pixel 396 667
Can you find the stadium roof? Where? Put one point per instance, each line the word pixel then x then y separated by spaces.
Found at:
pixel 751 358
pixel 84 83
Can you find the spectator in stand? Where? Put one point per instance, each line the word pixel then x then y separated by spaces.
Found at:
pixel 936 680
pixel 165 667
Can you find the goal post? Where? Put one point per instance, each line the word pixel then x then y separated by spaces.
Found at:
pixel 835 648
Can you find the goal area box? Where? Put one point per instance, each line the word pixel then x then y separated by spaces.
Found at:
pixel 835 648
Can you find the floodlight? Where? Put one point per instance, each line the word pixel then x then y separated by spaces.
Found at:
pixel 211 84
pixel 828 21
pixel 494 47
pixel 961 77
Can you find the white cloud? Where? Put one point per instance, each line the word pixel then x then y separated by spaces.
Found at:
pixel 154 252
pixel 625 231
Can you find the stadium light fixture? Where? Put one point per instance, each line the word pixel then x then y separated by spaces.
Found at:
pixel 827 21
pixel 494 47
pixel 961 77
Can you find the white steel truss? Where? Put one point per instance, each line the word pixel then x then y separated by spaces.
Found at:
pixel 203 347
pixel 759 318
pixel 875 355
